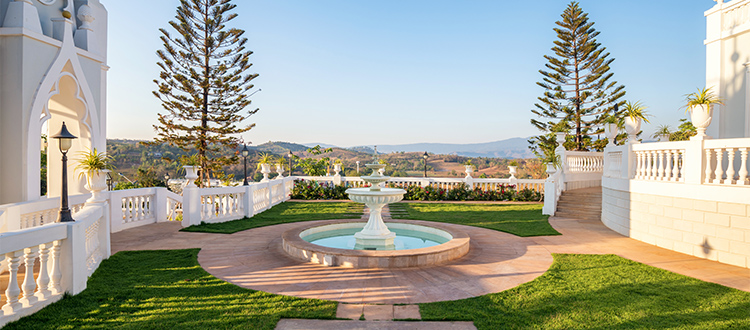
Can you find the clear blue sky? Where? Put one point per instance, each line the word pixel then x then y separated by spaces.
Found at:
pixel 351 73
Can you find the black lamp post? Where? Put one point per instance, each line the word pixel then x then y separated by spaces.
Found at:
pixel 65 142
pixel 425 163
pixel 245 152
pixel 291 155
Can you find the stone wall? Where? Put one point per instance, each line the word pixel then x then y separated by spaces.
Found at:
pixel 704 228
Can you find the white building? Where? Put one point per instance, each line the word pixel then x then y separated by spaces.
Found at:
pixel 52 69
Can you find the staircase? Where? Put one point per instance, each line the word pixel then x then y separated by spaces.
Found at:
pixel 582 204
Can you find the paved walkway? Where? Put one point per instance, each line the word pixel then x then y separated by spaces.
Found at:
pixel 497 261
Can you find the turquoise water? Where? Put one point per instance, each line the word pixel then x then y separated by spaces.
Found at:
pixel 405 239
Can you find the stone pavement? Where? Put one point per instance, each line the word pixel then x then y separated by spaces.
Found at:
pixel 297 324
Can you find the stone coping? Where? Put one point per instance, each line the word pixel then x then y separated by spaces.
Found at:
pixel 300 249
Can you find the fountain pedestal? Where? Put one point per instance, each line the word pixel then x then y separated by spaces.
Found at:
pixel 375 234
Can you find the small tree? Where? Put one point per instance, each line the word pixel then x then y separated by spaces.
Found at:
pixel 578 88
pixel 204 84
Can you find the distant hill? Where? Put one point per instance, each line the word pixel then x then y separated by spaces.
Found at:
pixel 279 147
pixel 510 148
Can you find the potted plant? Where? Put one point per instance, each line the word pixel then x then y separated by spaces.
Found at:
pixel 662 133
pixel 94 166
pixel 337 166
pixel 280 166
pixel 611 127
pixel 512 167
pixel 469 167
pixel 382 170
pixel 191 164
pixel 700 105
pixel 264 164
pixel 635 112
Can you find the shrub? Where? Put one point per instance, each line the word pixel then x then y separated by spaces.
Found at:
pixel 311 190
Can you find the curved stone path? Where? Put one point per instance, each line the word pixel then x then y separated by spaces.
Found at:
pixel 497 261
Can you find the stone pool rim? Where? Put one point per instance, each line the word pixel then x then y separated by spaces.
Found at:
pixel 300 249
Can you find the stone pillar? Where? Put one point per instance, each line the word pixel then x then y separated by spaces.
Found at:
pixel 23 14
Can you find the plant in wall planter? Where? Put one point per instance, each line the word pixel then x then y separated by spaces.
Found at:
pixel 700 105
pixel 635 112
pixel 612 125
pixel 662 133
pixel 94 166
pixel 264 164
pixel 280 166
pixel 191 164
pixel 469 167
pixel 337 166
pixel 512 168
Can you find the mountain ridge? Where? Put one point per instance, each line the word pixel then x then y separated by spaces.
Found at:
pixel 508 148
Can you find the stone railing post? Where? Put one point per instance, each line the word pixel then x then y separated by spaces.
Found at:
pixel 161 204
pixel 73 259
pixel 191 206
pixel 550 191
pixel 694 162
pixel 248 199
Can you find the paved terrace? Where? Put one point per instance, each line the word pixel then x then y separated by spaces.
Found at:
pixel 497 261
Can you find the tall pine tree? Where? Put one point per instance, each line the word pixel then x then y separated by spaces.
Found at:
pixel 578 88
pixel 204 84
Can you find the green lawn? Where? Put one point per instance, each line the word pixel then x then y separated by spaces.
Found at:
pixel 285 213
pixel 602 292
pixel 167 289
pixel 519 219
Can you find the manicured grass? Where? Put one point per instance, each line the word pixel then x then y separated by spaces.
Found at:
pixel 518 219
pixel 602 292
pixel 167 289
pixel 285 213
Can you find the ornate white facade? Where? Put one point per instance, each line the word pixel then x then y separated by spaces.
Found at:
pixel 728 66
pixel 52 69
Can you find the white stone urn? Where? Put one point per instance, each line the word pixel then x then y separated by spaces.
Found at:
pixel 337 168
pixel 96 182
pixel 512 170
pixel 632 127
pixel 469 170
pixel 610 131
pixel 551 169
pixel 700 116
pixel 280 170
pixel 663 137
pixel 266 170
pixel 191 174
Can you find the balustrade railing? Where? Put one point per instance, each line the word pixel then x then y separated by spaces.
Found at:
pixel 659 161
pixel 221 204
pixel 726 162
pixel 63 264
pixel 36 213
pixel 485 184
pixel 584 162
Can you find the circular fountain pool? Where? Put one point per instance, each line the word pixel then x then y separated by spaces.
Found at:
pixel 408 236
pixel 450 243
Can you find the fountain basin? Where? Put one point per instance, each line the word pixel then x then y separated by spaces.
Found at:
pixel 456 247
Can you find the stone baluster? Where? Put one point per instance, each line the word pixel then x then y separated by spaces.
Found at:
pixel 13 291
pixel 649 165
pixel 29 285
pixel 709 157
pixel 642 165
pixel 743 166
pixel 719 173
pixel 55 285
pixel 669 174
pixel 730 165
pixel 677 166
pixel 661 155
pixel 42 281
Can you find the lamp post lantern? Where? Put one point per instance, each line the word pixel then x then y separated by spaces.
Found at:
pixel 245 152
pixel 425 156
pixel 65 142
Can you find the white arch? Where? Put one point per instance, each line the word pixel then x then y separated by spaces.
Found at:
pixel 49 87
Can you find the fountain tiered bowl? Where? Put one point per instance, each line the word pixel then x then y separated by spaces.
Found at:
pixel 373 244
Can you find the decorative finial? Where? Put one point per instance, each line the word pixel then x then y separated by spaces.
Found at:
pixel 86 15
pixel 719 1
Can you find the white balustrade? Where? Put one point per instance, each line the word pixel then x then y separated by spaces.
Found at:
pixel 485 184
pixel 661 161
pixel 584 162
pixel 36 213
pixel 726 162
pixel 221 204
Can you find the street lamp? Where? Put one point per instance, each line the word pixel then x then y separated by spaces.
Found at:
pixel 245 152
pixel 291 155
pixel 425 156
pixel 65 141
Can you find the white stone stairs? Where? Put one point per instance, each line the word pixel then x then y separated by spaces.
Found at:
pixel 582 204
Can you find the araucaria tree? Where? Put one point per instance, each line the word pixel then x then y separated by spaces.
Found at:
pixel 204 82
pixel 579 92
